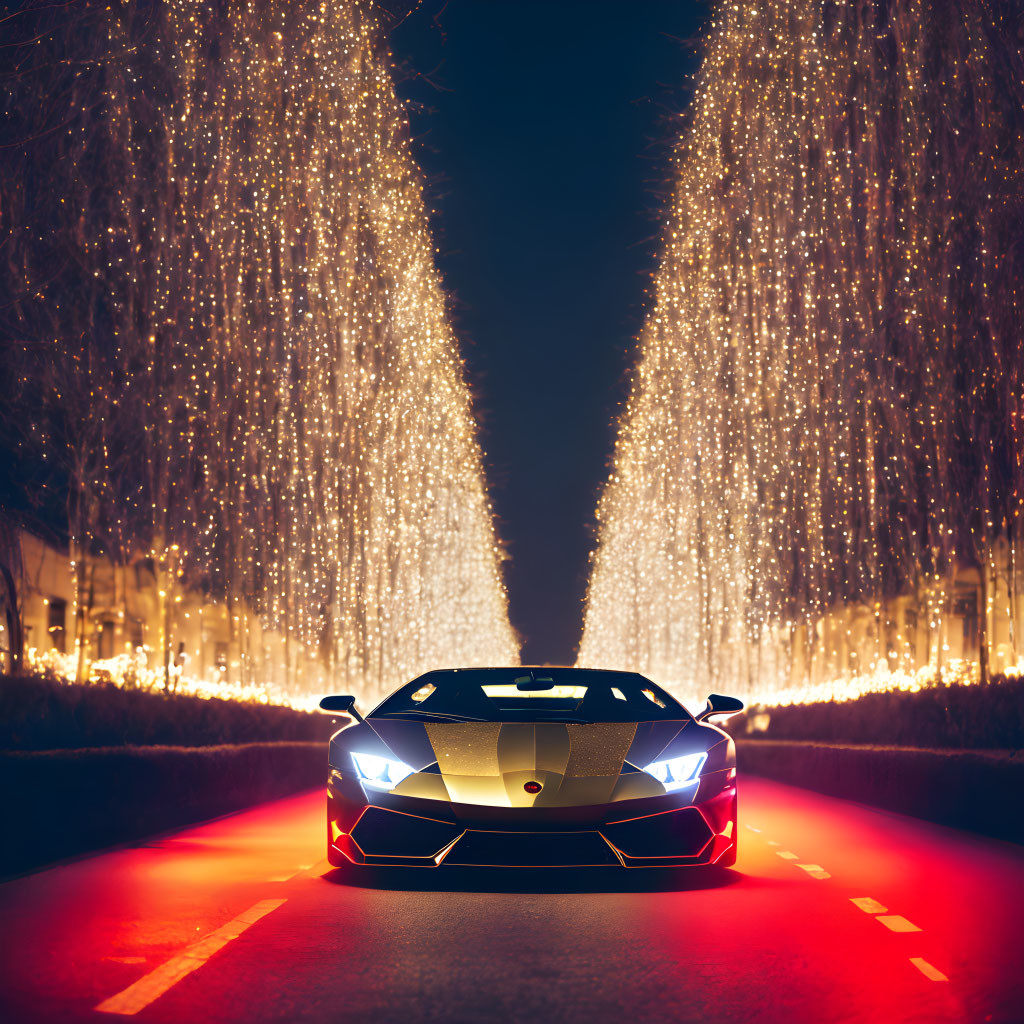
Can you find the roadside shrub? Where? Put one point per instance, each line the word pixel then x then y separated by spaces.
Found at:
pixel 957 716
pixel 38 713
pixel 63 802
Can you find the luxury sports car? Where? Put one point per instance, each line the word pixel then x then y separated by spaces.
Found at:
pixel 531 766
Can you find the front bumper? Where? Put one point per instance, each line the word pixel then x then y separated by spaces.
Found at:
pixel 664 831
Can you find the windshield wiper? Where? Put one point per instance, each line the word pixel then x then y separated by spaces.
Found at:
pixel 451 717
pixel 455 717
pixel 546 721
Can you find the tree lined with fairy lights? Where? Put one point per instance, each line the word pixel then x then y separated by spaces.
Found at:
pixel 827 407
pixel 286 422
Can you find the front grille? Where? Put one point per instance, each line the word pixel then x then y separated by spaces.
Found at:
pixel 681 833
pixel 532 849
pixel 382 833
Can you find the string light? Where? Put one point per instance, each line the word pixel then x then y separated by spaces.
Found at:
pixel 302 442
pixel 826 412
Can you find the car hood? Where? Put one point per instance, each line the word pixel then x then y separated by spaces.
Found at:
pixel 489 763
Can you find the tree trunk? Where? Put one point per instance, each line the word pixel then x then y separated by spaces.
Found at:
pixel 1011 536
pixel 983 619
pixel 15 628
pixel 163 593
pixel 83 603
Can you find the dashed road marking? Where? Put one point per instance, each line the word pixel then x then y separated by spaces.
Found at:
pixel 931 973
pixel 771 842
pixel 815 870
pixel 294 874
pixel 752 829
pixel 868 905
pixel 141 993
pixel 896 923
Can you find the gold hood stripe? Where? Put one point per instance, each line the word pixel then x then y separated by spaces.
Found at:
pixel 598 749
pixel 465 748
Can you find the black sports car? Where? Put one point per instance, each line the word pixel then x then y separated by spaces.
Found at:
pixel 532 766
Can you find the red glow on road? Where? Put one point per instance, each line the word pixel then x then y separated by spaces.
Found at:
pixel 869 917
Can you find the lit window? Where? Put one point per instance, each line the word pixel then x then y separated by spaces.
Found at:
pixel 56 611
pixel 105 639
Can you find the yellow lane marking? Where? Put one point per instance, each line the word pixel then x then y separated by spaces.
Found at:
pixel 151 986
pixel 815 870
pixel 294 874
pixel 786 855
pixel 895 923
pixel 868 905
pixel 931 973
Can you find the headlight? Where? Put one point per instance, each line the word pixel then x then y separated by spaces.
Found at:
pixel 380 772
pixel 677 772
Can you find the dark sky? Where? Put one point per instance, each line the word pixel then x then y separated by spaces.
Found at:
pixel 543 127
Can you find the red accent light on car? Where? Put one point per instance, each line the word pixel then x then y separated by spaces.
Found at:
pixel 532 787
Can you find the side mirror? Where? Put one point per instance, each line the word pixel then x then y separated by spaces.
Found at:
pixel 718 704
pixel 345 704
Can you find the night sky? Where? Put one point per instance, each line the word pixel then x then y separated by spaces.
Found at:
pixel 543 128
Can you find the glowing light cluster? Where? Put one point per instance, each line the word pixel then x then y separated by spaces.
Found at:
pixel 135 672
pixel 826 414
pixel 288 426
pixel 956 672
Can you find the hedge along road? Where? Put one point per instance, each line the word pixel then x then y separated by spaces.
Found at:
pixel 834 912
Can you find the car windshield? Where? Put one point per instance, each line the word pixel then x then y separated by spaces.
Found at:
pixel 531 695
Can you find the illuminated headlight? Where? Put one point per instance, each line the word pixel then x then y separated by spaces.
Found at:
pixel 380 772
pixel 677 772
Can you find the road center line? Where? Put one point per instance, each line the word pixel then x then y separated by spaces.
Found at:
pixel 931 973
pixel 815 870
pixel 141 993
pixel 294 874
pixel 786 855
pixel 896 923
pixel 868 905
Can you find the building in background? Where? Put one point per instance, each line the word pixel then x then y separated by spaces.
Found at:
pixel 936 633
pixel 126 626
pixel 132 617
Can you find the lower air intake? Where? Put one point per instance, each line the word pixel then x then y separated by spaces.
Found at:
pixel 682 833
pixel 382 833
pixel 532 849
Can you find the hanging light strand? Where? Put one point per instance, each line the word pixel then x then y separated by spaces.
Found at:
pixel 823 427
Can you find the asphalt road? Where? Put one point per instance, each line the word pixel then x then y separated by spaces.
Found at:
pixel 835 912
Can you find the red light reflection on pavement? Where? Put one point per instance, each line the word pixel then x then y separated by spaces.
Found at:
pixel 772 941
